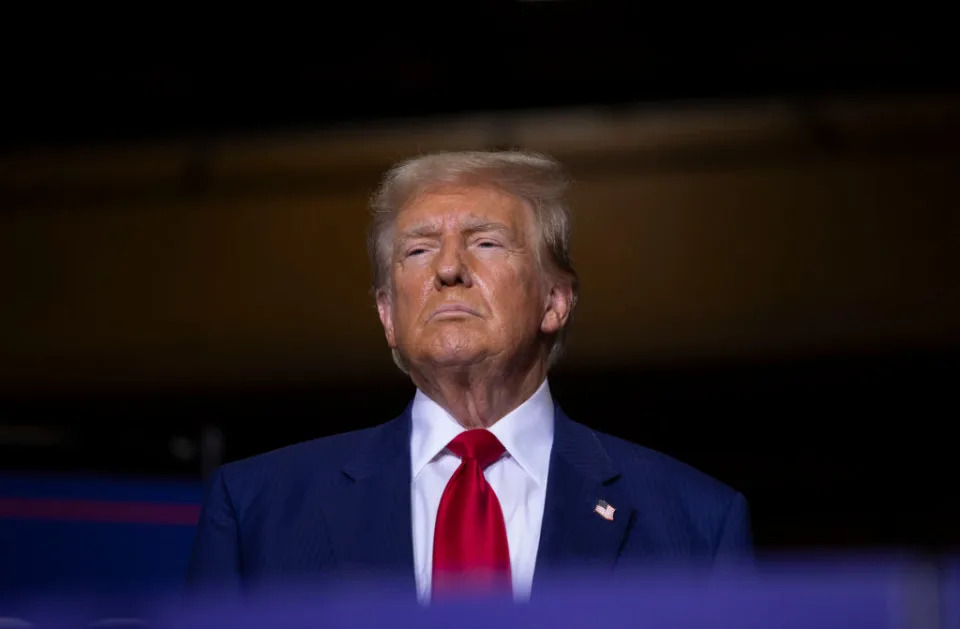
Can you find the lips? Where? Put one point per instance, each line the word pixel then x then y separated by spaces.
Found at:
pixel 454 309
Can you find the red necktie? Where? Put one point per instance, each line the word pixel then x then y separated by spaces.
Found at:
pixel 470 553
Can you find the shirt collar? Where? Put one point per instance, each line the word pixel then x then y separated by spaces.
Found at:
pixel 526 432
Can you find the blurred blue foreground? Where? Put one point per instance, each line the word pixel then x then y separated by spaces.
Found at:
pixel 837 593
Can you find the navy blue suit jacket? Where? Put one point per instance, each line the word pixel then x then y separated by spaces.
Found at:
pixel 340 506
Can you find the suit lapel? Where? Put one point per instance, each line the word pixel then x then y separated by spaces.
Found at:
pixel 573 535
pixel 369 519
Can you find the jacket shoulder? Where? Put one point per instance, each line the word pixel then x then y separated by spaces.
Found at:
pixel 319 461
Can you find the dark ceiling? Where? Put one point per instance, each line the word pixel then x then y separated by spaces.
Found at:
pixel 123 81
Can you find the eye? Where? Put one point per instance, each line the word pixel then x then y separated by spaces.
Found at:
pixel 487 244
pixel 415 251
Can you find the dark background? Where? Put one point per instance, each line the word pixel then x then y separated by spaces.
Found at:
pixel 170 74
pixel 835 447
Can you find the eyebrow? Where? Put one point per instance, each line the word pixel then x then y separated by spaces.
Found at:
pixel 470 226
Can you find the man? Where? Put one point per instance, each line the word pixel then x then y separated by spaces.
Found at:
pixel 482 482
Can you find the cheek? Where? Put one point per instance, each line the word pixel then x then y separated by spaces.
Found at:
pixel 518 294
pixel 412 293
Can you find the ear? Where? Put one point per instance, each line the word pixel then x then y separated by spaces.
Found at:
pixel 385 310
pixel 558 307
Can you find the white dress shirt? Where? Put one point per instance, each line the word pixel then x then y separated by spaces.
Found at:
pixel 519 478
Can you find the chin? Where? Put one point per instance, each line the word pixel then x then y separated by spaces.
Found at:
pixel 454 358
pixel 453 354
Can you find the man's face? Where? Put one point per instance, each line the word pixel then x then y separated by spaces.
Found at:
pixel 466 285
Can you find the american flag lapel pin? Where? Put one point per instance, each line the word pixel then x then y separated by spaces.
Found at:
pixel 605 509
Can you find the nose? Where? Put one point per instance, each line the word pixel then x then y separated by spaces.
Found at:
pixel 451 267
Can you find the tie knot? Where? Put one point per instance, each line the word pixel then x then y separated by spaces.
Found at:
pixel 480 445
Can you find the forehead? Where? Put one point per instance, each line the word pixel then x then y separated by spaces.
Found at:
pixel 452 207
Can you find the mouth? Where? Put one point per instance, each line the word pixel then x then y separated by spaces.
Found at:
pixel 453 311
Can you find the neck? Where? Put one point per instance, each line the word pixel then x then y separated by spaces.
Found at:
pixel 477 396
